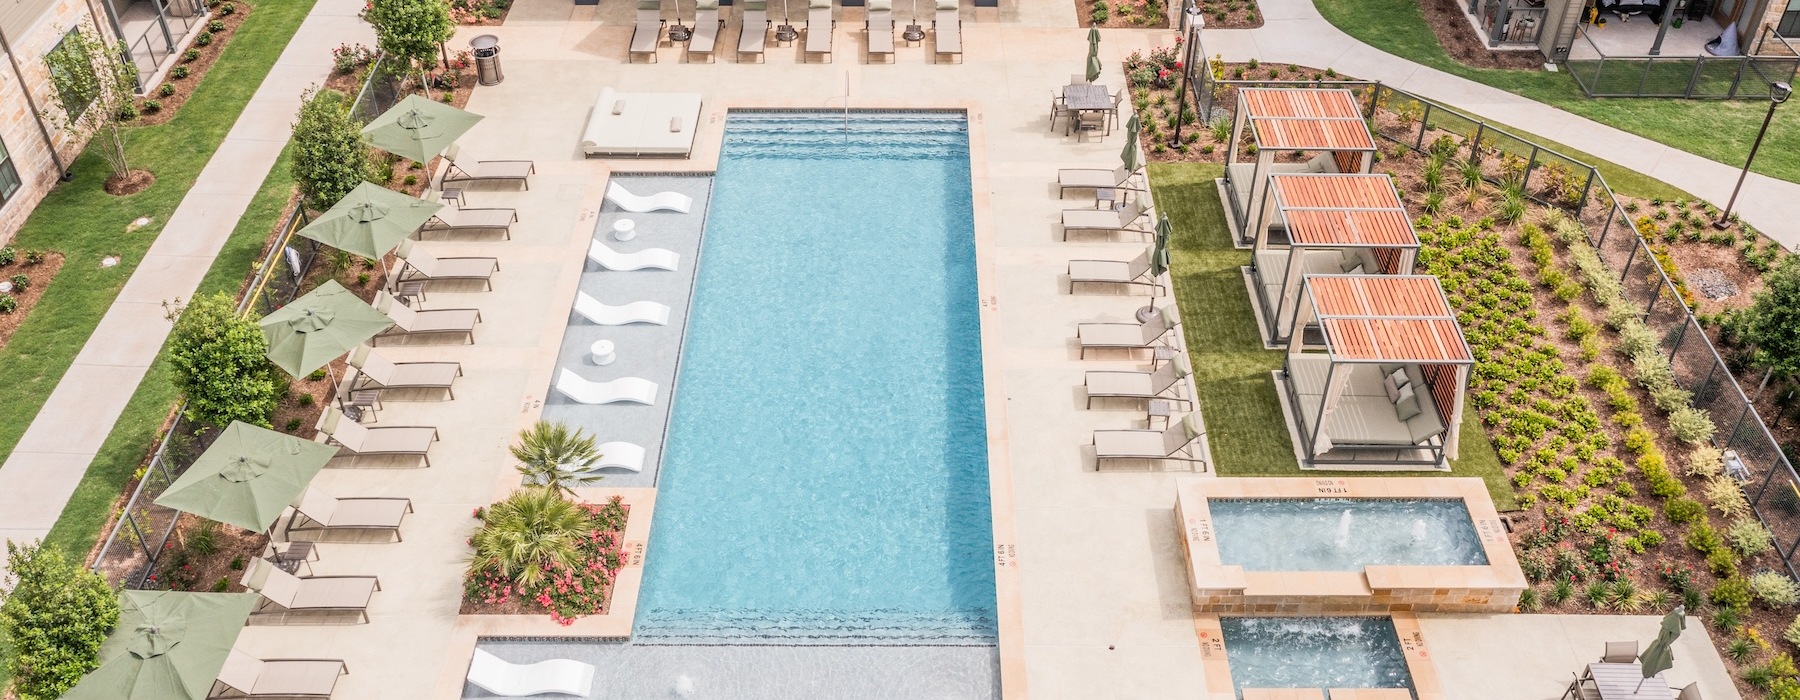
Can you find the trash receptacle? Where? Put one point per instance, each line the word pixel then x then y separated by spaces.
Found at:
pixel 487 59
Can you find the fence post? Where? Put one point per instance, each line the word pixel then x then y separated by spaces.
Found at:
pixel 1475 147
pixel 1679 336
pixel 1694 76
pixel 1424 125
pixel 1645 78
pixel 1629 258
pixel 1586 191
pixel 1737 78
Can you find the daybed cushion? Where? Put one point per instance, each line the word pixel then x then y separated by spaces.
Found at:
pixel 642 124
pixel 1363 415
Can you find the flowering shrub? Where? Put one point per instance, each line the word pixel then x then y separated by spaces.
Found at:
pixel 570 577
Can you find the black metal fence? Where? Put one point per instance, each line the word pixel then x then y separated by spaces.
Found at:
pixel 1769 59
pixel 381 89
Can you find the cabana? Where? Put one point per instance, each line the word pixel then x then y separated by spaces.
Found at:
pixel 1387 390
pixel 1332 224
pixel 1288 120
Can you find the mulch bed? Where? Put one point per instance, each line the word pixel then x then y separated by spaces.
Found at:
pixel 1155 106
pixel 132 182
pixel 1451 25
pixel 203 59
pixel 38 277
pixel 1123 14
pixel 183 568
pixel 480 13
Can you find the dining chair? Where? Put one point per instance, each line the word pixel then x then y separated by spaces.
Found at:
pixel 1059 109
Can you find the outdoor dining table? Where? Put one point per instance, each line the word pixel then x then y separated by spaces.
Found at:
pixel 1085 97
pixel 1627 682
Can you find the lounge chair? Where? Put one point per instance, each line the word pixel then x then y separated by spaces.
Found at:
pixel 622 390
pixel 638 204
pixel 1093 178
pixel 656 258
pixel 245 676
pixel 422 266
pixel 454 220
pixel 284 594
pixel 1137 271
pixel 753 28
pixel 819 28
pixel 635 312
pixel 360 440
pixel 468 168
pixel 880 29
pixel 646 34
pixel 413 322
pixel 1689 692
pixel 948 28
pixel 620 455
pixel 317 511
pixel 377 373
pixel 706 28
pixel 1138 385
pixel 1129 336
pixel 1103 219
pixel 1620 653
pixel 490 673
pixel 1112 445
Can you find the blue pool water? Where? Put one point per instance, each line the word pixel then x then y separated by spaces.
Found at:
pixel 1344 534
pixel 825 479
pixel 1314 652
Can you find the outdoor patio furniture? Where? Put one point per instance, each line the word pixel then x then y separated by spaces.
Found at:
pixel 1090 122
pixel 375 372
pixel 490 673
pixel 1689 692
pixel 879 27
pixel 465 167
pixel 639 204
pixel 414 322
pixel 360 406
pixel 819 27
pixel 1136 271
pixel 1325 123
pixel 706 28
pixel 245 676
pixel 290 556
pixel 1157 383
pixel 419 265
pixel 646 34
pixel 285 595
pixel 634 312
pixel 620 455
pixel 1113 445
pixel 1620 681
pixel 1094 178
pixel 1620 652
pixel 655 258
pixel 641 124
pixel 318 511
pixel 622 390
pixel 753 28
pixel 1087 99
pixel 456 220
pixel 1126 336
pixel 1118 99
pixel 948 28
pixel 359 440
pixel 412 294
pixel 1103 219
pixel 1058 110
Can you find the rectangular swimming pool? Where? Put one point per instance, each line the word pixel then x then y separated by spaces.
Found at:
pixel 1344 534
pixel 825 476
pixel 1314 652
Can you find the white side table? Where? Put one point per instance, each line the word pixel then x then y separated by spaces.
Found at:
pixel 602 351
pixel 624 230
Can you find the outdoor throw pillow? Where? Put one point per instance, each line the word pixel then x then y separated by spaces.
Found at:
pixel 1350 263
pixel 1408 405
pixel 1392 387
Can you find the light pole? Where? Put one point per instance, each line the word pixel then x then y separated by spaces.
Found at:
pixel 1778 93
pixel 1192 22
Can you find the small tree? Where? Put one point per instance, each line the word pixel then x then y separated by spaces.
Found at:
pixel 92 92
pixel 529 533
pixel 55 617
pixel 219 364
pixel 410 31
pixel 555 456
pixel 331 155
pixel 1772 324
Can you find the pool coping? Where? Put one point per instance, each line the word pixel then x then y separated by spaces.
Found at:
pixel 1217 665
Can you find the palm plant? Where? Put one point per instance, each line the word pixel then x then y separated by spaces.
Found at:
pixel 529 533
pixel 556 456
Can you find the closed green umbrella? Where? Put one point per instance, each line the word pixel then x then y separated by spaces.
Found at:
pixel 1129 157
pixel 371 220
pixel 315 329
pixel 168 645
pixel 247 476
pixel 1093 62
pixel 1660 656
pixel 419 128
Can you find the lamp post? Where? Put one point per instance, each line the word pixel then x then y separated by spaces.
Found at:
pixel 1778 93
pixel 1192 22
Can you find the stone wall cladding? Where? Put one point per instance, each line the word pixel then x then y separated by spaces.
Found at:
pixel 18 124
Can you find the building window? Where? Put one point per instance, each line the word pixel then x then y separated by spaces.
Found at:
pixel 69 98
pixel 1790 20
pixel 9 175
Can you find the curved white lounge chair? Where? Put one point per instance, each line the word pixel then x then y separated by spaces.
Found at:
pixel 634 312
pixel 620 455
pixel 627 389
pixel 636 204
pixel 656 258
pixel 500 677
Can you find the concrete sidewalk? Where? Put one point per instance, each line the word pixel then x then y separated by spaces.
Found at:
pixel 44 468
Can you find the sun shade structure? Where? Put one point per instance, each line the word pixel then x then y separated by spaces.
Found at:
pixel 247 477
pixel 1315 224
pixel 317 328
pixel 168 645
pixel 1326 124
pixel 419 128
pixel 370 220
pixel 1386 387
pixel 1660 655
pixel 1129 158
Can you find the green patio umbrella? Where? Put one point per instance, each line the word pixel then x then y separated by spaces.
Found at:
pixel 1093 61
pixel 419 128
pixel 1660 656
pixel 1129 157
pixel 371 220
pixel 247 476
pixel 168 645
pixel 315 329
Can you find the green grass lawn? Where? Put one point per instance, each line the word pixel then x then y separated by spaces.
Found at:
pixel 1244 422
pixel 84 223
pixel 1718 129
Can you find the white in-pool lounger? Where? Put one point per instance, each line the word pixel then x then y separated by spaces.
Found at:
pixel 639 204
pixel 620 455
pixel 624 389
pixel 497 676
pixel 648 124
pixel 657 258
pixel 634 312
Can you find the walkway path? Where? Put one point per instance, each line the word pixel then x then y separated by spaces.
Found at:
pixel 1294 32
pixel 50 459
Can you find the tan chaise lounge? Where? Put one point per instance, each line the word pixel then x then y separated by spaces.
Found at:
pixel 317 511
pixel 245 676
pixel 410 322
pixel 465 167
pixel 879 28
pixel 753 28
pixel 1155 384
pixel 1103 219
pixel 1134 271
pixel 359 440
pixel 1112 445
pixel 420 265
pixel 284 595
pixel 646 33
pixel 377 373
pixel 819 26
pixel 947 25
pixel 1093 178
pixel 1127 336
pixel 706 29
pixel 456 220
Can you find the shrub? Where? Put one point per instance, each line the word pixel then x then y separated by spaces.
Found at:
pixel 1683 510
pixel 1722 562
pixel 8 303
pixel 530 532
pixel 1705 461
pixel 1792 634
pixel 215 26
pixel 1703 538
pixel 218 364
pixel 1748 537
pixel 8 255
pixel 204 38
pixel 1732 594
pixel 330 156
pixel 1774 589
pixel 190 55
pixel 166 90
pixel 33 257
pixel 1726 497
pixel 227 8
pixel 56 615
pixel 20 283
pixel 178 72
pixel 1635 339
pixel 152 106
pixel 1691 425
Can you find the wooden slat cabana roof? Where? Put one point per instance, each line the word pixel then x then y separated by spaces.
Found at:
pixel 1343 210
pixel 1387 318
pixel 1305 119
